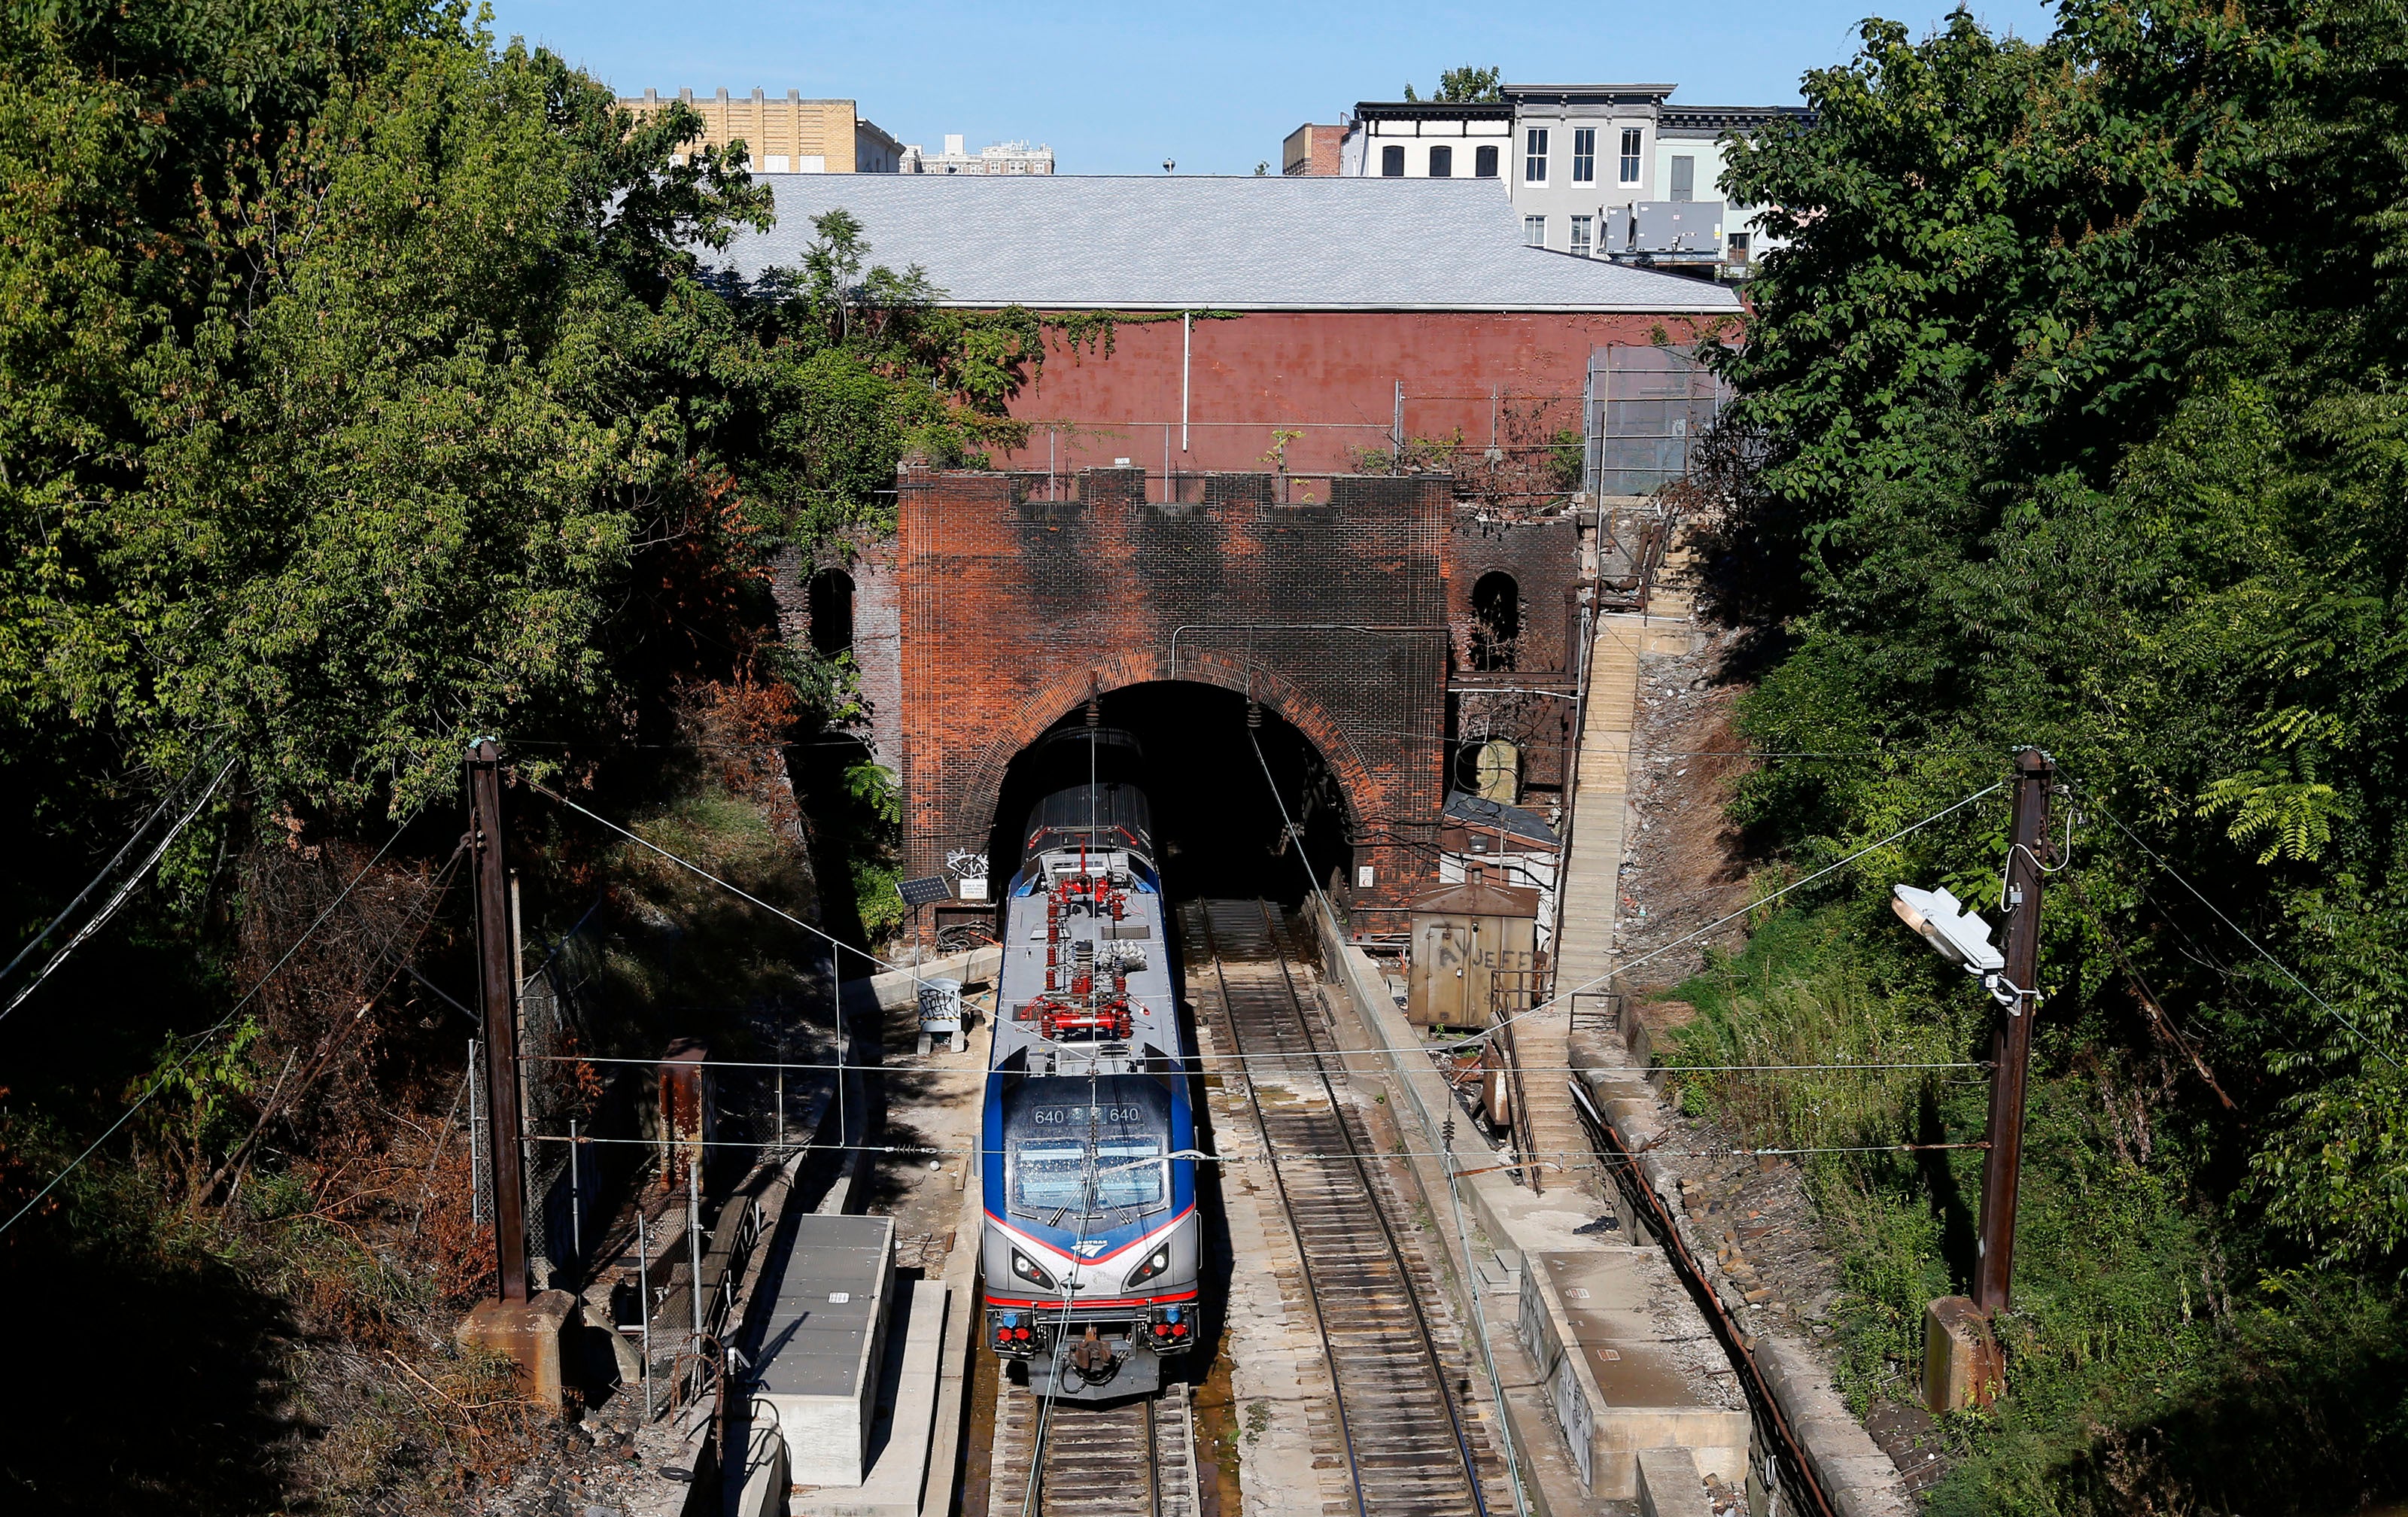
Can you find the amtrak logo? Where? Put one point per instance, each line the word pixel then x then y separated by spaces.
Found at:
pixel 1090 1247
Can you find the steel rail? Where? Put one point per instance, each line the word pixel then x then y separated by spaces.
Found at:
pixel 1387 1231
pixel 1080 1462
pixel 1422 1338
pixel 1295 1227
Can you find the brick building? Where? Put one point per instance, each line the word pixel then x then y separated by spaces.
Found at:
pixel 1215 498
pixel 1312 151
pixel 1260 321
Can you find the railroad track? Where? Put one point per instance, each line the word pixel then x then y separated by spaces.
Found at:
pixel 1134 1459
pixel 1411 1445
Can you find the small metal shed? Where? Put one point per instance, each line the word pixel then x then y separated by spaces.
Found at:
pixel 1474 953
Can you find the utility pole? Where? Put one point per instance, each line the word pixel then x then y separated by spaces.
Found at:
pixel 497 983
pixel 2011 1045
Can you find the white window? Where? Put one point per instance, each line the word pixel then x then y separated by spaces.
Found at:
pixel 1534 231
pixel 773 163
pixel 1584 155
pixel 1581 225
pixel 1534 159
pixel 1630 155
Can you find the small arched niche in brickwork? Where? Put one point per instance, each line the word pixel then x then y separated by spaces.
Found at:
pixel 1496 621
pixel 831 611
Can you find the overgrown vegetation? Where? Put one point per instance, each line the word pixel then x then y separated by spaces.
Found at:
pixel 365 388
pixel 2071 416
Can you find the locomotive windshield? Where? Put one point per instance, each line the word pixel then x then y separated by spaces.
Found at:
pixel 1050 1176
pixel 1088 1146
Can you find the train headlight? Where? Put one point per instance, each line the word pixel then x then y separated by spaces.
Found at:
pixel 1155 1263
pixel 1029 1272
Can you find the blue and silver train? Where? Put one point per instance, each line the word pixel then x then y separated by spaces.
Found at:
pixel 1090 1247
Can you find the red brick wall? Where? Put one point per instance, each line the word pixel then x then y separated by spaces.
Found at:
pixel 1333 374
pixel 1543 557
pixel 1014 609
pixel 1311 152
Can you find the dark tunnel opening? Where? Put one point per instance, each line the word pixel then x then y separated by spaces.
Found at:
pixel 1218 826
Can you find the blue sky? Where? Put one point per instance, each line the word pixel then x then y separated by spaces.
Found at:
pixel 1117 88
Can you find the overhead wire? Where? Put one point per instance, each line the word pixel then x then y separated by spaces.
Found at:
pixel 166 802
pixel 1736 1150
pixel 2256 947
pixel 202 1038
pixel 1726 920
pixel 1463 1238
pixel 1238 1062
pixel 125 893
pixel 687 863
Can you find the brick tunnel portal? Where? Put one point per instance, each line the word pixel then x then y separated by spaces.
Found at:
pixel 1221 820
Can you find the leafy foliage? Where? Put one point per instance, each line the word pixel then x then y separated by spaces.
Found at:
pixel 2074 414
pixel 367 385
pixel 1466 85
pixel 391 369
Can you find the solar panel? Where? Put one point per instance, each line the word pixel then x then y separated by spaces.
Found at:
pixel 920 892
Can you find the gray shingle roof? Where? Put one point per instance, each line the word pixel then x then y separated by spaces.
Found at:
pixel 1176 243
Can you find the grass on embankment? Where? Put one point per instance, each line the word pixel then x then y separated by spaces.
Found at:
pixel 2164 1354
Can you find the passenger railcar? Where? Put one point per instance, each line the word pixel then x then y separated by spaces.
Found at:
pixel 1090 1246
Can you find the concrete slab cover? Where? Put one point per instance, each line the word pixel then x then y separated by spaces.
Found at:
pixel 896 1484
pixel 821 1350
pixel 1670 1485
pixel 828 1305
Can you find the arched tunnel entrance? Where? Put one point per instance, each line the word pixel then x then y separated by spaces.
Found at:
pixel 1219 825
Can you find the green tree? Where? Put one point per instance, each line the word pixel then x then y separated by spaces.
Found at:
pixel 2071 415
pixel 1466 86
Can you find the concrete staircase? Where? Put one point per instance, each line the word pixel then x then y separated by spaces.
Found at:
pixel 1585 938
pixel 1600 804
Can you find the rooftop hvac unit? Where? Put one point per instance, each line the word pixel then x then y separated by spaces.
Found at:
pixel 1677 226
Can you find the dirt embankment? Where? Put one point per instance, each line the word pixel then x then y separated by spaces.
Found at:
pixel 1684 870
pixel 1683 866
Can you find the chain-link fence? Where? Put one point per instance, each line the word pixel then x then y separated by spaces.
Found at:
pixel 1647 407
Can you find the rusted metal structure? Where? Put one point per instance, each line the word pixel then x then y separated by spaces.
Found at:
pixel 1469 942
pixel 687 1126
pixel 497 986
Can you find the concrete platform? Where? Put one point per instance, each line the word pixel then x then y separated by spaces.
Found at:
pixel 1619 1383
pixel 895 1483
pixel 817 1372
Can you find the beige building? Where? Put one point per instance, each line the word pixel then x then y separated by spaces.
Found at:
pixel 790 135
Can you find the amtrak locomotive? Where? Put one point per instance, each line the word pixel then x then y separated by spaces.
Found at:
pixel 1091 1238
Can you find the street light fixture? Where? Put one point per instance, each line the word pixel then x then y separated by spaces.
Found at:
pixel 1956 934
pixel 1960 936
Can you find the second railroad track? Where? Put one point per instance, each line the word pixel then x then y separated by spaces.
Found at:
pixel 1410 1438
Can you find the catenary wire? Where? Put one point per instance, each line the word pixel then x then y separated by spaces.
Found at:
pixel 1238 1062
pixel 125 893
pixel 202 1038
